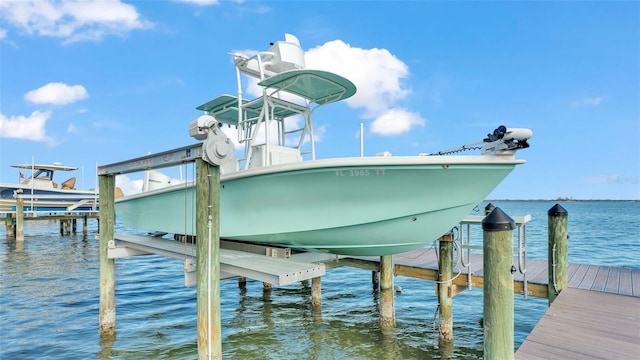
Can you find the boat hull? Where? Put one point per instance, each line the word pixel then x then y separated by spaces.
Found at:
pixel 47 200
pixel 363 207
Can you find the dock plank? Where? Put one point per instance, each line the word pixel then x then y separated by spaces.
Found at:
pixel 635 282
pixel 580 322
pixel 626 287
pixel 613 281
pixel 589 278
pixel 422 263
pixel 538 273
pixel 600 281
pixel 575 277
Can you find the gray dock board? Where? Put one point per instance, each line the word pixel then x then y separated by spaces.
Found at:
pixel 626 287
pixel 538 273
pixel 581 276
pixel 613 281
pixel 589 278
pixel 575 277
pixel 635 282
pixel 583 324
pixel 600 281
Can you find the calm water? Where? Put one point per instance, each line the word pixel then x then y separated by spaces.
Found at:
pixel 49 300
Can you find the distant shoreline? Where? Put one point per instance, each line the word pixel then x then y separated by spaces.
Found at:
pixel 566 200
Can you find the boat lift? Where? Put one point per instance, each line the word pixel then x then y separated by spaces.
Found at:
pixel 265 263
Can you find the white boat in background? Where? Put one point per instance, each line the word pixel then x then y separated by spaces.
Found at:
pixel 41 193
pixel 278 193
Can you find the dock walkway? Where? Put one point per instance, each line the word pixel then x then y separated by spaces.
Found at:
pixel 596 317
pixel 583 324
pixel 423 264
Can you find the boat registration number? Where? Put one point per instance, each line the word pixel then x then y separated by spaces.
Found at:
pixel 360 172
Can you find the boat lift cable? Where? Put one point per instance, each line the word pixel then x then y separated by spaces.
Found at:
pixel 185 220
pixel 209 260
pixel 186 238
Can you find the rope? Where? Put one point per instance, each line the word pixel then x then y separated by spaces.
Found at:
pixel 474 146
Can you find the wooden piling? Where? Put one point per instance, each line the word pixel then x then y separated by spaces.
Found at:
pixel 445 288
pixel 387 310
pixel 207 260
pixel 375 280
pixel 242 283
pixel 107 312
pixel 316 292
pixel 558 252
pixel 19 219
pixel 10 225
pixel 316 300
pixel 498 286
pixel 84 225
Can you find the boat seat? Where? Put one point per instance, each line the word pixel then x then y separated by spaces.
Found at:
pixel 69 184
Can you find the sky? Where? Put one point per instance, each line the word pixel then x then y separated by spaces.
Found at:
pixel 89 83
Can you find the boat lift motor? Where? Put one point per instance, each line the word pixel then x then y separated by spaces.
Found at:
pixel 505 141
pixel 217 148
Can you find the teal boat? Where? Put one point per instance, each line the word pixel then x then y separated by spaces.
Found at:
pixel 280 194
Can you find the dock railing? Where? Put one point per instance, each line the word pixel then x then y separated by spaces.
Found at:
pixel 466 245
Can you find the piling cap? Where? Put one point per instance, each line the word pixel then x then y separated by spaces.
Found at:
pixel 498 221
pixel 557 210
pixel 488 209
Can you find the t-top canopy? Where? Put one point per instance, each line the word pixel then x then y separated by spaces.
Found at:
pixel 317 86
pixel 52 167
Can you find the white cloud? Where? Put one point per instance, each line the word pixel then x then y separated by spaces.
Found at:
pixel 396 121
pixel 72 129
pixel 57 94
pixel 3 33
pixel 22 127
pixel 377 74
pixel 74 20
pixel 593 101
pixel 128 185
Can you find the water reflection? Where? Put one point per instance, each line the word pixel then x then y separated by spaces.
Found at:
pixel 106 346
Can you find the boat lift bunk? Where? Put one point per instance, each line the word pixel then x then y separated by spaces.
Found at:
pixel 274 265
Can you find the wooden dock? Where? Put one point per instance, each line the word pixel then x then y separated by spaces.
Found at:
pixel 584 324
pixel 596 317
pixel 15 220
pixel 423 264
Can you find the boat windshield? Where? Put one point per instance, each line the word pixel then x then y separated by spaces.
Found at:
pixel 43 174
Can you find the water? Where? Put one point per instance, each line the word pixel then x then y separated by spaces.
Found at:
pixel 49 300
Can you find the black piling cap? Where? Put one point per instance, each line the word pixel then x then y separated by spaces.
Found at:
pixel 488 209
pixel 498 221
pixel 557 210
